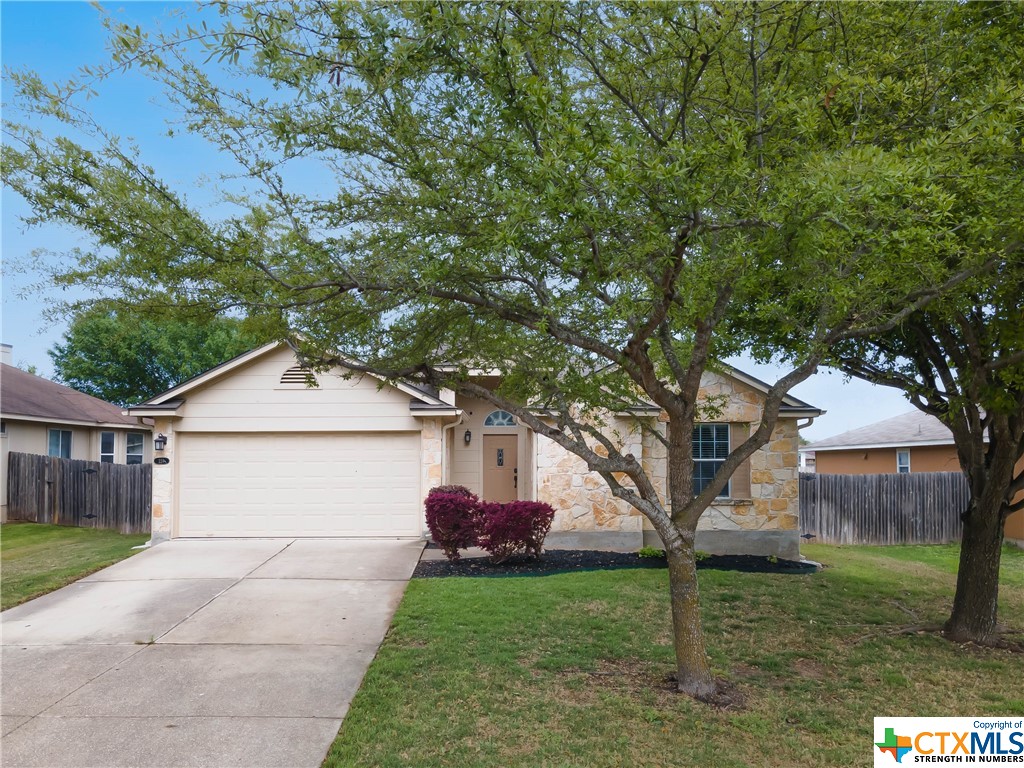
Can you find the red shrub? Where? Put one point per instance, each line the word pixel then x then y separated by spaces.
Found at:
pixel 455 490
pixel 519 526
pixel 452 516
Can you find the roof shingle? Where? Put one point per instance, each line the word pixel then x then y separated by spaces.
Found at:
pixel 908 429
pixel 22 394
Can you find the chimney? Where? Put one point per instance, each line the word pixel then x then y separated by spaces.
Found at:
pixel 5 354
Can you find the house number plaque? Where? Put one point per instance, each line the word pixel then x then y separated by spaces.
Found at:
pixel 161 460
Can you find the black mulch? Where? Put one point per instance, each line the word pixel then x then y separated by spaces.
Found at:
pixel 568 560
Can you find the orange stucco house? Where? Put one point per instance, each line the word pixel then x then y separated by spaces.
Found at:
pixel 913 442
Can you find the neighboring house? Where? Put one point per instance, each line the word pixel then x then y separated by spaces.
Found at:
pixel 913 442
pixel 41 416
pixel 253 450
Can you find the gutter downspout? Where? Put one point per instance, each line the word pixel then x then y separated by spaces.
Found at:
pixel 444 446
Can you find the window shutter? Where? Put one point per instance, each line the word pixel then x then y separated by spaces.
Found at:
pixel 741 477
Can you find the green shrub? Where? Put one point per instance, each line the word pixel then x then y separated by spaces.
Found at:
pixel 651 552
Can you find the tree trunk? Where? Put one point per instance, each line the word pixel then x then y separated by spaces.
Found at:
pixel 693 672
pixel 977 581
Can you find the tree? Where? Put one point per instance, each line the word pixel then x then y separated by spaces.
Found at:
pixel 125 358
pixel 963 362
pixel 598 200
pixel 962 358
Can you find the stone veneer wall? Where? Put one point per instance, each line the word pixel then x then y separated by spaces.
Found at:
pixel 766 523
pixel 431 451
pixel 773 503
pixel 582 501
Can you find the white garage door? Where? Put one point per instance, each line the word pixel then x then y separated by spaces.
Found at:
pixel 346 484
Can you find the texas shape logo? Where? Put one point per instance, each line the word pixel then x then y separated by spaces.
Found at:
pixel 898 746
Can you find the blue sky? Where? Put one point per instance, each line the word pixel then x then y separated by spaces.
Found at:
pixel 56 38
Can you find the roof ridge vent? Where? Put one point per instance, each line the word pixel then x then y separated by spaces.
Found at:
pixel 299 375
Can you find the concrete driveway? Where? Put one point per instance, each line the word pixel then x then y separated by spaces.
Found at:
pixel 199 653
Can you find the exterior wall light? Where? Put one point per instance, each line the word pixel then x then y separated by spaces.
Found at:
pixel 160 442
pixel 467 437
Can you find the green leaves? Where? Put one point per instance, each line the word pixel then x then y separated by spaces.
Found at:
pixel 127 357
pixel 564 182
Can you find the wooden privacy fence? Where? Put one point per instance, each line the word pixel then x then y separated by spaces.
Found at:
pixel 922 508
pixel 88 494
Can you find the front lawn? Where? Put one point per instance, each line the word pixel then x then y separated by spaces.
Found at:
pixel 568 670
pixel 36 559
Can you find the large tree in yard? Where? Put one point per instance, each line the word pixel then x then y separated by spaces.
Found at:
pixel 961 359
pixel 597 200
pixel 123 357
pixel 963 362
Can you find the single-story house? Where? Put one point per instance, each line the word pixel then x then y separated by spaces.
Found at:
pixel 909 443
pixel 259 446
pixel 912 442
pixel 43 417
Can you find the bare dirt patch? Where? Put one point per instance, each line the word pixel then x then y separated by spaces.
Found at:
pixel 639 679
pixel 810 669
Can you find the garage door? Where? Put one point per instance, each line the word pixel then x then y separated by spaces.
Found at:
pixel 348 484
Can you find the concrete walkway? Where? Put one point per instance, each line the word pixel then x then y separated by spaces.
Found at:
pixel 199 653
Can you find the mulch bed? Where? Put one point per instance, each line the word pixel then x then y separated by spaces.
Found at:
pixel 569 560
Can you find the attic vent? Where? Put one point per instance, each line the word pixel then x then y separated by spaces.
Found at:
pixel 299 375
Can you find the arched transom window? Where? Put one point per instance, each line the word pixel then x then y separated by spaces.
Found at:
pixel 500 419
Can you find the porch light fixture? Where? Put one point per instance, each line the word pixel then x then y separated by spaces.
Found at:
pixel 160 442
pixel 467 437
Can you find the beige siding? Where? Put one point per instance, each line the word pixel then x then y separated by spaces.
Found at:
pixel 26 437
pixel 33 437
pixel 252 399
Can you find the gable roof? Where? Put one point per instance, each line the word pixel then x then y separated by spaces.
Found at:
pixel 914 428
pixel 421 400
pixel 23 394
pixel 791 406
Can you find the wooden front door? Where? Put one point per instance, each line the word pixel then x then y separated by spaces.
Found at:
pixel 501 468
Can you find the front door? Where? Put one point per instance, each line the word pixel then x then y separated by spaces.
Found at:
pixel 501 468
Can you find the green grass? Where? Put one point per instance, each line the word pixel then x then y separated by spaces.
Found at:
pixel 569 670
pixel 36 559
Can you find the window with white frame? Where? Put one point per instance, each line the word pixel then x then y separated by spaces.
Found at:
pixel 59 443
pixel 134 451
pixel 710 449
pixel 903 462
pixel 107 447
